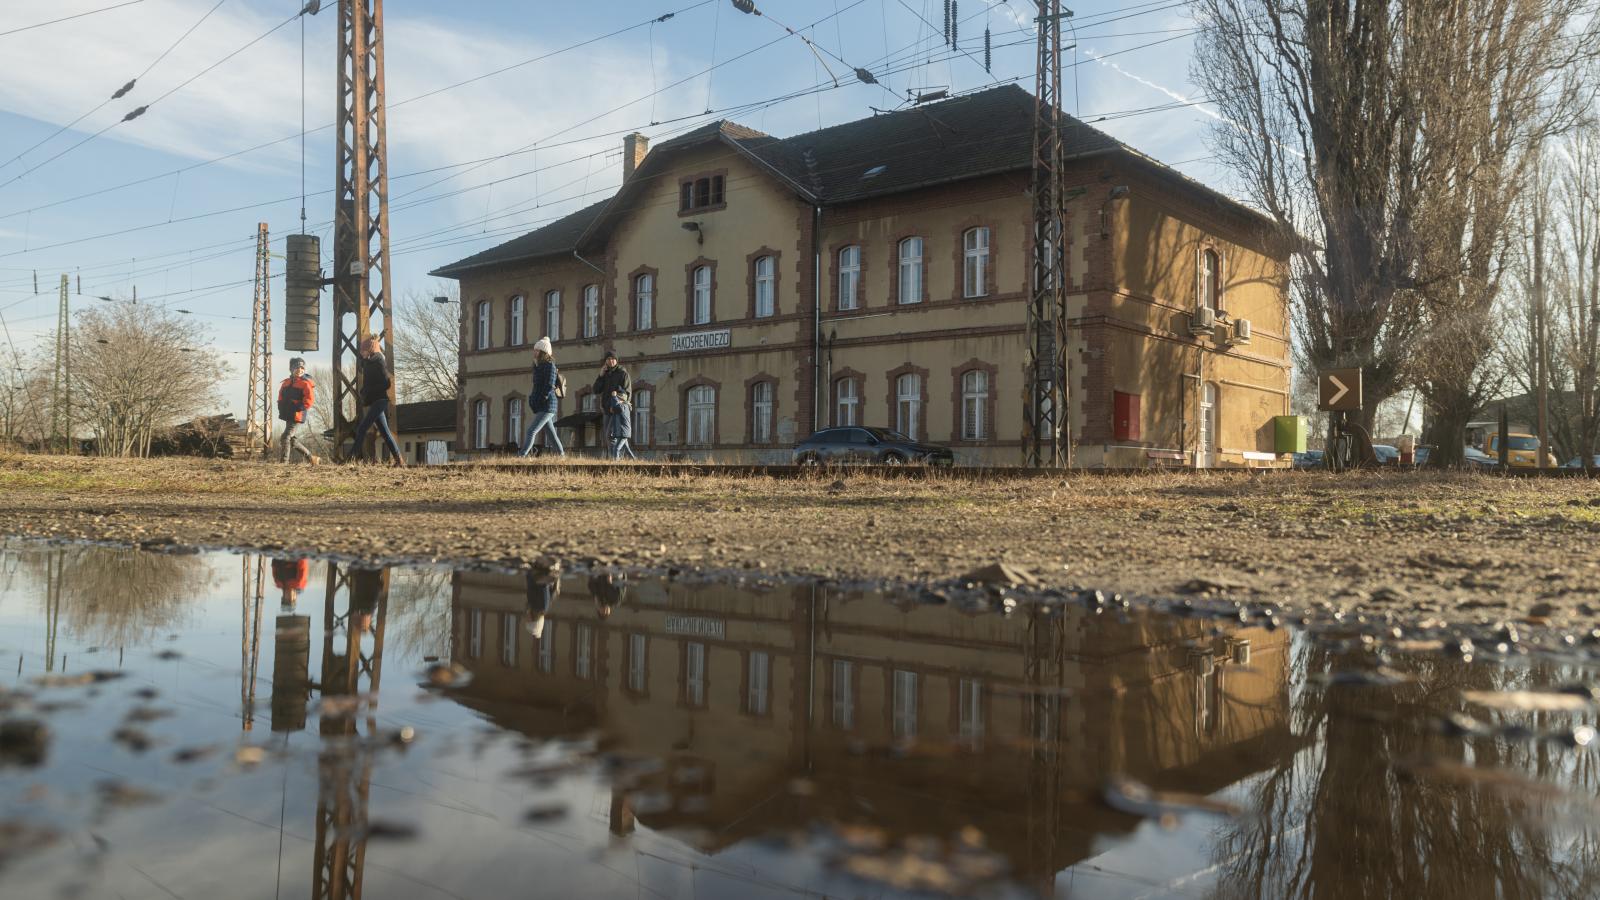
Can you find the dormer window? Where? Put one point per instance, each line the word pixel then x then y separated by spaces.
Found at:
pixel 699 193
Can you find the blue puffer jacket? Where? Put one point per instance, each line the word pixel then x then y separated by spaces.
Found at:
pixel 543 399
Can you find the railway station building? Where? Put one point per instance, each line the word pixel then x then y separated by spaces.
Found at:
pixel 878 273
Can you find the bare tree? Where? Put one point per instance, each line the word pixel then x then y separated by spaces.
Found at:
pixel 1575 325
pixel 427 344
pixel 139 368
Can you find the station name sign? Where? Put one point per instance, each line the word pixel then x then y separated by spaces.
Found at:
pixel 697 626
pixel 702 340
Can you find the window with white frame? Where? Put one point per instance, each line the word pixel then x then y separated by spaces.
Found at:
pixel 552 315
pixel 908 404
pixel 766 284
pixel 758 682
pixel 485 313
pixel 519 318
pixel 547 647
pixel 702 295
pixel 644 401
pixel 911 270
pixel 905 704
pixel 583 655
pixel 702 415
pixel 1210 279
pixel 644 302
pixel 475 634
pixel 508 640
pixel 844 695
pixel 480 424
pixel 975 262
pixel 761 412
pixel 637 644
pixel 514 420
pixel 694 673
pixel 970 718
pixel 591 310
pixel 847 404
pixel 850 277
pixel 974 405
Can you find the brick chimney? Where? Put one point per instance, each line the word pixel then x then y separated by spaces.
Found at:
pixel 634 147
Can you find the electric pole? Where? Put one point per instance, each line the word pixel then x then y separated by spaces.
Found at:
pixel 61 387
pixel 1047 439
pixel 258 407
pixel 361 289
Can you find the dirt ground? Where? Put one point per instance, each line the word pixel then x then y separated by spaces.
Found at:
pixel 1458 546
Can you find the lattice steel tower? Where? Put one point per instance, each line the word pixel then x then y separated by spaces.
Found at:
pixel 61 386
pixel 259 405
pixel 361 288
pixel 1047 440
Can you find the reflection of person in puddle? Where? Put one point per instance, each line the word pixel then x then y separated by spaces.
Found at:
pixel 365 587
pixel 544 583
pixel 289 575
pixel 606 588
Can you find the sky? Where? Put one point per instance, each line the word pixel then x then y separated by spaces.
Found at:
pixel 174 196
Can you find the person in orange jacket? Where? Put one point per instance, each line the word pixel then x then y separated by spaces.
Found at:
pixel 289 576
pixel 295 396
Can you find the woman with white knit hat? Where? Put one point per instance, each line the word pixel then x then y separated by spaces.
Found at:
pixel 545 400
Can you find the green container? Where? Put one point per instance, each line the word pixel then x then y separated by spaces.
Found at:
pixel 1291 433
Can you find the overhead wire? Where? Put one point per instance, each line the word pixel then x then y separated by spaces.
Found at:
pixel 71 17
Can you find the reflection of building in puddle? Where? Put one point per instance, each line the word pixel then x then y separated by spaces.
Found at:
pixel 762 712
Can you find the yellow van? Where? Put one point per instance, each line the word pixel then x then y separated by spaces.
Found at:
pixel 1523 451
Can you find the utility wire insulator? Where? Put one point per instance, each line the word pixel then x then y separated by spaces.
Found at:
pixel 955 23
pixel 135 114
pixel 865 77
pixel 123 91
pixel 746 6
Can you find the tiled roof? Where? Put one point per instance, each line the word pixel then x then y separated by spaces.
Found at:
pixel 560 236
pixel 429 415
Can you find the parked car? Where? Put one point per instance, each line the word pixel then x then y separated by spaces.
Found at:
pixel 857 445
pixel 1577 462
pixel 1311 459
pixel 1523 451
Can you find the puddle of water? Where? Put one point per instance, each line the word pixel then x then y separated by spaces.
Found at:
pixel 181 725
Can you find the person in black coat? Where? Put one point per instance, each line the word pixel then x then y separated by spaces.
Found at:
pixel 375 398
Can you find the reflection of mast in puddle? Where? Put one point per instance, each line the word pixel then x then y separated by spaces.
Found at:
pixel 55 569
pixel 249 637
pixel 1044 656
pixel 349 670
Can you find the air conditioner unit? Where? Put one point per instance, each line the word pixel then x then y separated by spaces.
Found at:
pixel 1202 321
pixel 1240 333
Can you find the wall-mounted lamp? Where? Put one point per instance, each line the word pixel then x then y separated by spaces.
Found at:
pixel 699 233
pixel 1120 192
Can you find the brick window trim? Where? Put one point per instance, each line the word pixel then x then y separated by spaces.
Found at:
pixel 990 283
pixel 750 410
pixel 513 339
pixel 958 403
pixel 840 376
pixel 750 280
pixel 683 411
pixel 861 276
pixel 696 176
pixel 688 290
pixel 655 395
pixel 894 270
pixel 655 303
pixel 505 404
pixel 893 376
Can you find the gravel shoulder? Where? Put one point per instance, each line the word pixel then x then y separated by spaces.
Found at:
pixel 1449 545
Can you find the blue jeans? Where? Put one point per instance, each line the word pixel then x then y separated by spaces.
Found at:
pixel 377 414
pixel 541 420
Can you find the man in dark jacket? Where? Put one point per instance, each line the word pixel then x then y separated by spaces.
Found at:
pixel 375 397
pixel 295 396
pixel 612 388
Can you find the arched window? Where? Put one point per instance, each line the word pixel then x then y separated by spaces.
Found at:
pixel 644 401
pixel 1210 279
pixel 701 401
pixel 519 318
pixel 911 270
pixel 908 404
pixel 552 315
pixel 766 283
pixel 761 412
pixel 975 262
pixel 485 309
pixel 847 402
pixel 514 420
pixel 974 405
pixel 850 277
pixel 702 295
pixel 480 424
pixel 644 302
pixel 591 310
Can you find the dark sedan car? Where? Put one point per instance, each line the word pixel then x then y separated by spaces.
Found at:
pixel 860 445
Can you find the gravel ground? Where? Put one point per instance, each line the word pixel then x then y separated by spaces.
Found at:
pixel 1456 546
